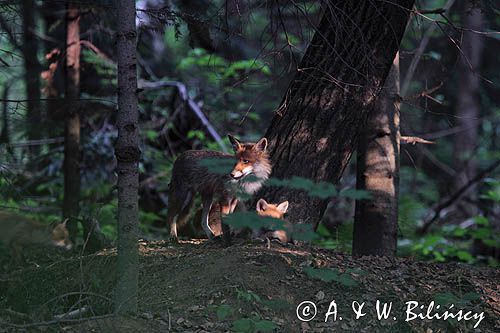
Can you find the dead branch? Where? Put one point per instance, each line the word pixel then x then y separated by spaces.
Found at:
pixel 97 51
pixel 151 179
pixel 55 321
pixel 420 50
pixel 430 11
pixel 454 197
pixel 192 105
pixel 72 314
pixel 424 93
pixel 37 142
pixel 411 140
pixel 10 34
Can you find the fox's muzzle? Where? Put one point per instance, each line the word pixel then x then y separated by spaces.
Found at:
pixel 237 175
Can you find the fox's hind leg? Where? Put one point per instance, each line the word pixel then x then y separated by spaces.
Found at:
pixel 207 204
pixel 183 216
pixel 172 221
pixel 179 206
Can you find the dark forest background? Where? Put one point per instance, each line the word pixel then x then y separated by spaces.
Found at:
pixel 209 68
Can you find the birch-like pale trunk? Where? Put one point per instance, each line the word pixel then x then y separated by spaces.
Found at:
pixel 376 219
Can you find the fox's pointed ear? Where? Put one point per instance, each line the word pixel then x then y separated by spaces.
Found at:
pixel 234 142
pixel 261 145
pixel 261 205
pixel 283 207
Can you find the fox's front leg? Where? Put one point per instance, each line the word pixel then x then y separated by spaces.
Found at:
pixel 207 204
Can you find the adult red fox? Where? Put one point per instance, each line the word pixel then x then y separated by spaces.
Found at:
pixel 190 176
pixel 18 232
pixel 275 211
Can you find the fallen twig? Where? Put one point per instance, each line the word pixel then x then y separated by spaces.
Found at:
pixel 72 314
pixel 55 321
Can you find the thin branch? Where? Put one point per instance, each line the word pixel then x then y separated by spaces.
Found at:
pixel 411 140
pixel 12 39
pixel 97 51
pixel 183 94
pixel 421 48
pixel 55 321
pixel 454 197
pixel 430 11
pixel 37 142
pixel 424 93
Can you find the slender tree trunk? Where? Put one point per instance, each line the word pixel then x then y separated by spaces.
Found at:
pixel 127 155
pixel 31 73
pixel 4 132
pixel 468 96
pixel 72 121
pixel 314 132
pixel 376 219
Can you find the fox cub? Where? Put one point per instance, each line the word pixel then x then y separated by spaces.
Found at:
pixel 190 176
pixel 264 208
pixel 17 232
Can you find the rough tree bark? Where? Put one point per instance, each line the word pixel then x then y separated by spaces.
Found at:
pixel 72 120
pixel 376 219
pixel 468 97
pixel 4 131
pixel 31 73
pixel 314 131
pixel 127 155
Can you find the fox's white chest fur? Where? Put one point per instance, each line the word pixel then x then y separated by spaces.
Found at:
pixel 252 183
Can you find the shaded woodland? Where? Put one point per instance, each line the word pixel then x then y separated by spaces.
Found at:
pixel 381 126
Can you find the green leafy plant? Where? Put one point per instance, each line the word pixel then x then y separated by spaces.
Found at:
pixel 331 274
pixel 251 325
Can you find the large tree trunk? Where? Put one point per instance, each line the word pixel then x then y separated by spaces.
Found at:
pixel 31 73
pixel 72 120
pixel 468 97
pixel 314 131
pixel 127 155
pixel 376 219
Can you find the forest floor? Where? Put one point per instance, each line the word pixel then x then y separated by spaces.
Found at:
pixel 197 286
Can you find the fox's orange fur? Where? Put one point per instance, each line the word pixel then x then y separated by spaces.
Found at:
pixel 276 211
pixel 17 232
pixel 190 176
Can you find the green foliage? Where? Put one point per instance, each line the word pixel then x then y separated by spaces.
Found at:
pixel 322 190
pixel 222 166
pixel 331 274
pixel 223 311
pixel 253 221
pixel 448 298
pixel 453 242
pixel 340 239
pixel 251 325
pixel 254 323
pixel 217 69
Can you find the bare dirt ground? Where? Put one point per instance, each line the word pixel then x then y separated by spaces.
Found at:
pixel 196 286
